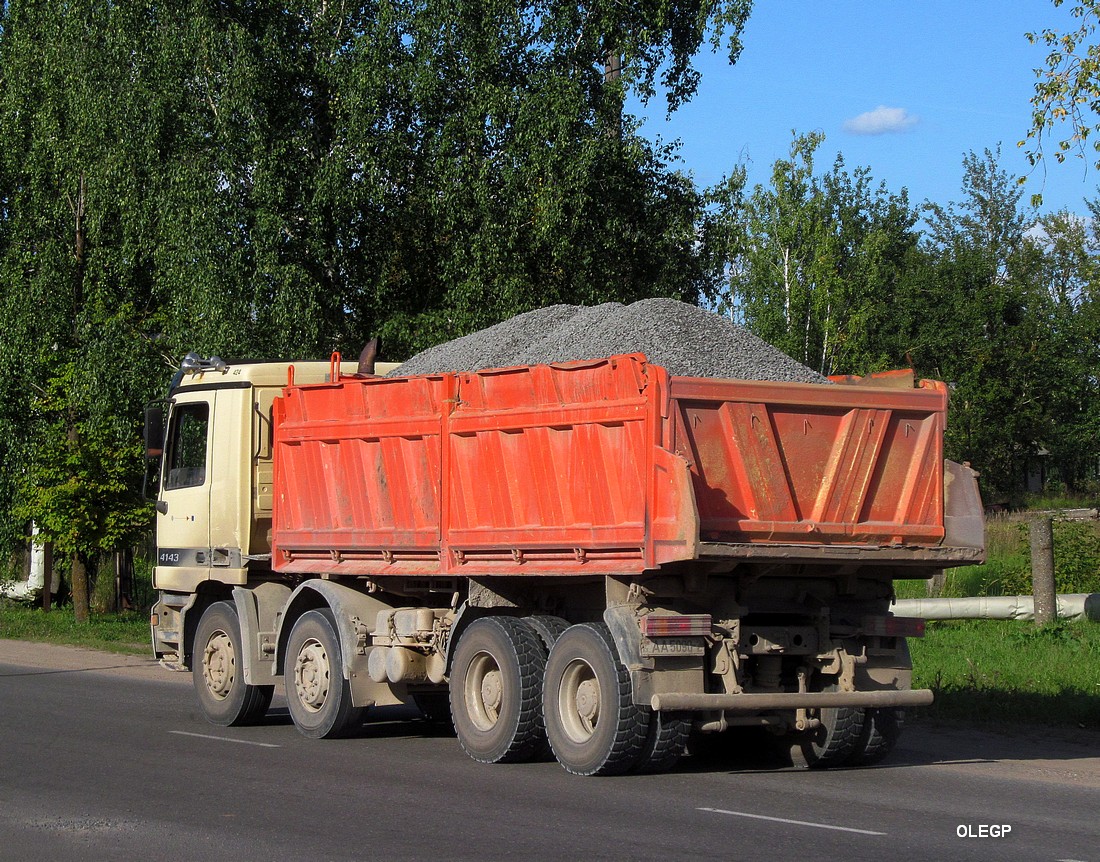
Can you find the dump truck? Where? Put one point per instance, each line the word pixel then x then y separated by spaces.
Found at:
pixel 591 560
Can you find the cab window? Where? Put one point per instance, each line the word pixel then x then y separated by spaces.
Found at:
pixel 185 465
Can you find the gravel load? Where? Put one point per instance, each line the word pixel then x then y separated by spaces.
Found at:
pixel 687 340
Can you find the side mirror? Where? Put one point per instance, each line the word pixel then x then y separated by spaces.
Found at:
pixel 154 431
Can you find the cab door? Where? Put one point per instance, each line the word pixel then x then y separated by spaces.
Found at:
pixel 183 506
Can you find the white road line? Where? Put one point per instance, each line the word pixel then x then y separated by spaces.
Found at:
pixel 790 822
pixel 225 739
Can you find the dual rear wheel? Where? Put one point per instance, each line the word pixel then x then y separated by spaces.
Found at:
pixel 522 688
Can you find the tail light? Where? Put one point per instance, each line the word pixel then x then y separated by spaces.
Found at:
pixel 894 627
pixel 676 625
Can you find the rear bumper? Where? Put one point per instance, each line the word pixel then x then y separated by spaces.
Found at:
pixel 766 701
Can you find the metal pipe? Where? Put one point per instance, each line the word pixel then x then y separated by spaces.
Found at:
pixel 758 701
pixel 1073 606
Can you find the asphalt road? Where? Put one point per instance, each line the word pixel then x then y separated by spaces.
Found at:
pixel 108 758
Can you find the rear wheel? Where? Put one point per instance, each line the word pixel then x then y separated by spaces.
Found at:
pixel 317 694
pixel 666 741
pixel 496 691
pixel 548 628
pixel 217 671
pixel 833 742
pixel 592 723
pixel 880 733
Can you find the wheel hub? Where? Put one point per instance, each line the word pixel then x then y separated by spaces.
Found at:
pixel 491 691
pixel 579 701
pixel 588 701
pixel 311 675
pixel 484 691
pixel 219 664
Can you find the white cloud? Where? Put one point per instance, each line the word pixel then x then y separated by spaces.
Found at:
pixel 881 121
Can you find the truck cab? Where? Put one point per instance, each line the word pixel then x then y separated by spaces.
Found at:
pixel 214 482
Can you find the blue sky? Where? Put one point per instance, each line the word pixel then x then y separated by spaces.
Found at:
pixel 904 88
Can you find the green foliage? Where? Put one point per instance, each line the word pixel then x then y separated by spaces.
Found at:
pixel 280 181
pixel 813 261
pixel 833 269
pixel 1067 88
pixel 1007 570
pixel 1076 562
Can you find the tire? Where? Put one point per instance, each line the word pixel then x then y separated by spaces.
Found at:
pixel 217 671
pixel 318 695
pixel 834 742
pixel 496 691
pixel 666 741
pixel 548 628
pixel 880 733
pixel 592 723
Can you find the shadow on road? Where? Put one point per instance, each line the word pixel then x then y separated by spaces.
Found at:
pixel 382 722
pixel 922 744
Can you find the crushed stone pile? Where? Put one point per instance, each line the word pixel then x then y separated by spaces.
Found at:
pixel 687 340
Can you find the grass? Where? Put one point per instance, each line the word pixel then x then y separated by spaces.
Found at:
pixel 119 633
pixel 1005 671
pixel 998 671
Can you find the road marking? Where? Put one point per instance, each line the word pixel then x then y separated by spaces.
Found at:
pixel 225 739
pixel 790 822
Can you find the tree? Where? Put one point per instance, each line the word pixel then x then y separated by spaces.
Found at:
pixel 974 317
pixel 273 179
pixel 1067 89
pixel 72 285
pixel 812 261
pixel 1065 253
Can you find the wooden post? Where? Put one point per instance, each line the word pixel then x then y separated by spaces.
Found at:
pixel 937 583
pixel 1041 534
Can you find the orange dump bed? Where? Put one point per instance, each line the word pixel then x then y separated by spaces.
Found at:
pixel 608 466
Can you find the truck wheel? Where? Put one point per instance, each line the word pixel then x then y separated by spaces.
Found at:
pixel 317 694
pixel 834 742
pixel 592 723
pixel 547 627
pixel 496 691
pixel 881 731
pixel 217 670
pixel 665 742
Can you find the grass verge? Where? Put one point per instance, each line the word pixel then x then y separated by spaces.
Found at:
pixel 1006 671
pixel 119 633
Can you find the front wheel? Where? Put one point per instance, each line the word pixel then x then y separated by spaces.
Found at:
pixel 317 693
pixel 592 722
pixel 217 671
